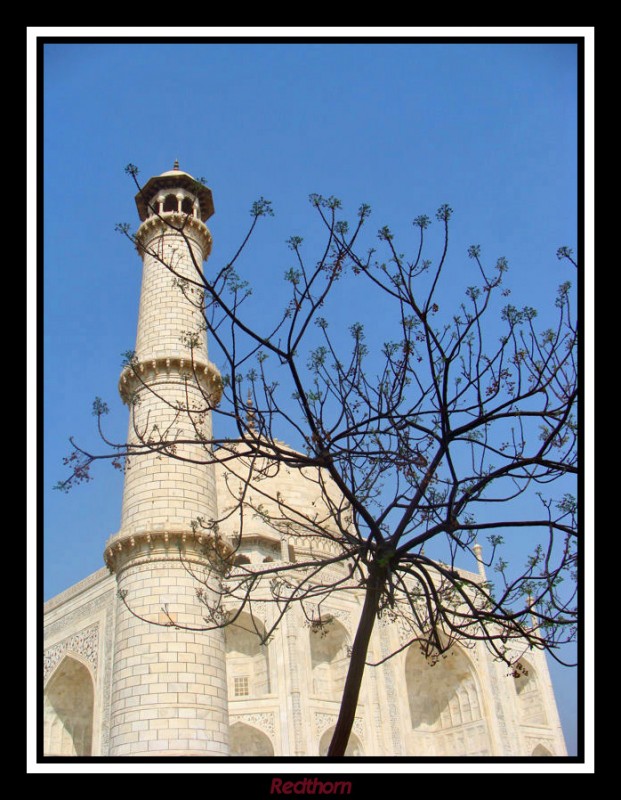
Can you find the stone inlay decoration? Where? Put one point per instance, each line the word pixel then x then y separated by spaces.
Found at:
pixel 314 611
pixel 500 713
pixel 85 643
pixel 393 703
pixel 264 721
pixel 325 721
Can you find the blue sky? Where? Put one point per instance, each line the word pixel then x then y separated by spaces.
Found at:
pixel 490 129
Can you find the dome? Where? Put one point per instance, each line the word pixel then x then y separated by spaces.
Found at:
pixel 169 181
pixel 176 172
pixel 308 498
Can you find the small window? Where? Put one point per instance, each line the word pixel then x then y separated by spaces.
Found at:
pixel 241 559
pixel 240 686
pixel 187 206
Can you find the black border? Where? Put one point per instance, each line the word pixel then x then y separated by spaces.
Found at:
pixel 361 782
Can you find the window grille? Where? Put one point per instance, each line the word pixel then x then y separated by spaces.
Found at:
pixel 240 686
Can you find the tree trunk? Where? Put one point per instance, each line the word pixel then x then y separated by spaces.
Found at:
pixel 349 701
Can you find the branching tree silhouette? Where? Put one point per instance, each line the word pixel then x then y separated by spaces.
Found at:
pixel 451 429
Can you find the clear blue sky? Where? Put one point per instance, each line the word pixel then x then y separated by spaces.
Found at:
pixel 490 129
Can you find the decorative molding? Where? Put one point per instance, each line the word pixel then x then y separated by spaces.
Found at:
pixel 157 545
pixel 193 229
pixel 175 368
pixel 85 643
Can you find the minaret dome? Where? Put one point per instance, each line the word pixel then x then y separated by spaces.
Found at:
pixel 175 191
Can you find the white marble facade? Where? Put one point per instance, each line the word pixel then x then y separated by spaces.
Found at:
pixel 282 699
pixel 116 686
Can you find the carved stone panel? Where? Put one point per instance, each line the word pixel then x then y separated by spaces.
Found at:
pixel 85 643
pixel 262 720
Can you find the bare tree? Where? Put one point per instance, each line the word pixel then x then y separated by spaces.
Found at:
pixel 459 426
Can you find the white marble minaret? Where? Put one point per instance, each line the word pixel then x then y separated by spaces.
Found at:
pixel 169 692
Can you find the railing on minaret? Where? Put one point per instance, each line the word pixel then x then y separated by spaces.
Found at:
pixel 169 695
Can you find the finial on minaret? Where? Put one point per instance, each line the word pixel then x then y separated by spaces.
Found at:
pixel 250 418
pixel 478 554
pixel 176 164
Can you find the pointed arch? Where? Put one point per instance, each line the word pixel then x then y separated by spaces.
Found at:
pixel 246 740
pixel 354 746
pixel 329 650
pixel 69 700
pixel 529 698
pixel 170 203
pixel 247 660
pixel 540 750
pixel 445 705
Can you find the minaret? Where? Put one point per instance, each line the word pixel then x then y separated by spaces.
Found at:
pixel 169 693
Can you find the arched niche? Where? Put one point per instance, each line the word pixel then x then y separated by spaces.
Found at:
pixel 247 660
pixel 445 705
pixel 245 740
pixel 530 702
pixel 540 750
pixel 69 699
pixel 170 203
pixel 329 658
pixel 354 747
